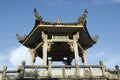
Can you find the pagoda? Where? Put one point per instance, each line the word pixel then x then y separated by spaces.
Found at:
pixel 58 41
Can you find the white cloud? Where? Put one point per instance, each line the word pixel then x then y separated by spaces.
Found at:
pixel 98 2
pixel 112 60
pixel 14 57
pixel 109 59
pixel 99 54
pixel 19 54
pixel 3 57
pixel 3 60
pixel 115 1
pixel 59 2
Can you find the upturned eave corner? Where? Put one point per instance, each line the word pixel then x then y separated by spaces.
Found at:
pixel 95 38
pixel 21 38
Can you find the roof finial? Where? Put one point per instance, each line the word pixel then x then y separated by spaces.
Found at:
pixel 38 17
pixel 86 11
pixel 58 20
pixel 82 19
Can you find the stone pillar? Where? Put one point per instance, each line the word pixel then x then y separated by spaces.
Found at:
pixel 76 37
pixel 84 57
pixel 33 56
pixel 45 45
pixel 49 69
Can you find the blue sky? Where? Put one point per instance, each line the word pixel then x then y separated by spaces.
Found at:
pixel 16 16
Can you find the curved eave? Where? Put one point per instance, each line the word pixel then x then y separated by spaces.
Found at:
pixel 85 39
pixel 35 35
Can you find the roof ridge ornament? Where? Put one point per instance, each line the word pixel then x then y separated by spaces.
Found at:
pixel 58 20
pixel 38 17
pixel 82 19
pixel 95 38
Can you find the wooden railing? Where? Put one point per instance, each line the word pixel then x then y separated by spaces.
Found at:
pixel 21 71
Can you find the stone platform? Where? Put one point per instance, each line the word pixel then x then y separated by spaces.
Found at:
pixel 63 72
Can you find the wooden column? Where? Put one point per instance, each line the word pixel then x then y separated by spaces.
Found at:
pixel 76 37
pixel 45 45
